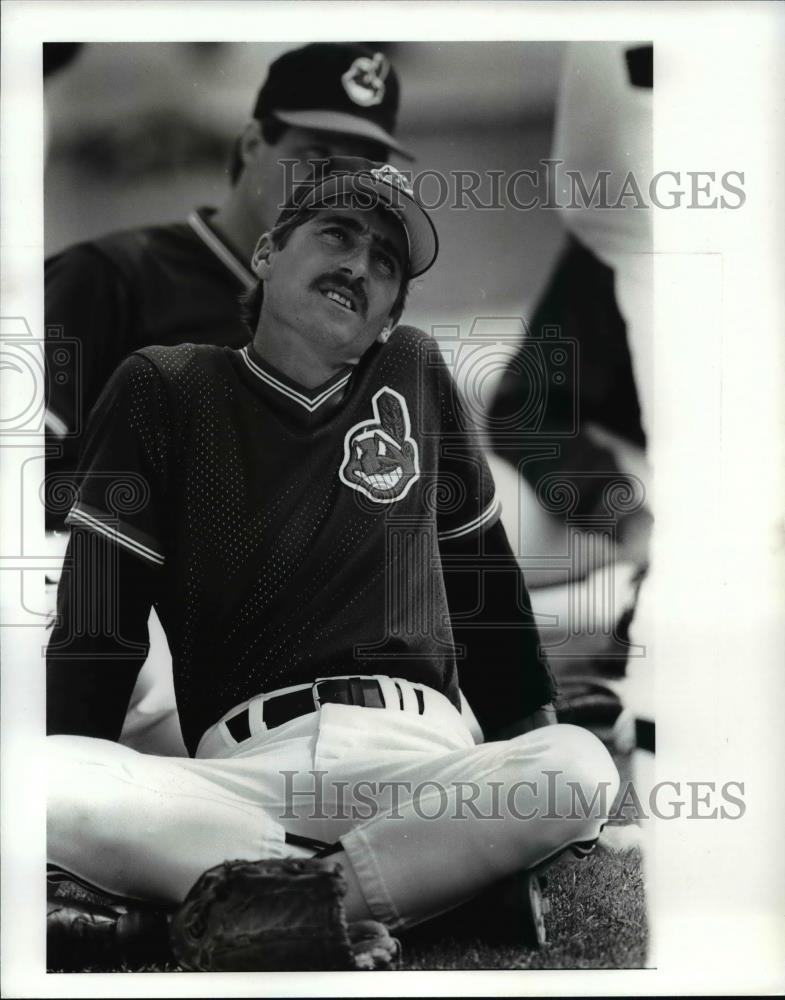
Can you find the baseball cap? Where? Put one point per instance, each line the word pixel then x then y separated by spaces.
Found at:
pixel 354 182
pixel 340 87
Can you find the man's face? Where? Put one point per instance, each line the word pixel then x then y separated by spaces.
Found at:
pixel 269 174
pixel 336 280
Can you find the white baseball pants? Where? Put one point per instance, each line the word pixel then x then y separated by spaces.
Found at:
pixel 426 818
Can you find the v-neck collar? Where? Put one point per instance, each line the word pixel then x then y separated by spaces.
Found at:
pixel 198 221
pixel 307 406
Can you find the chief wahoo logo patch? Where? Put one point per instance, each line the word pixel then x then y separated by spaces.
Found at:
pixel 380 457
pixel 363 81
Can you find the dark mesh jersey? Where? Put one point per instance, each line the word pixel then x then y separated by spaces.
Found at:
pixel 295 534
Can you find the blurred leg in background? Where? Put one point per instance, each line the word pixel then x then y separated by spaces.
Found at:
pixel 591 335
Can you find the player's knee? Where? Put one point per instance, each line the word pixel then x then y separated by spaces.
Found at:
pixel 569 776
pixel 67 799
pixel 61 760
pixel 586 780
pixel 563 751
pixel 75 794
pixel 582 757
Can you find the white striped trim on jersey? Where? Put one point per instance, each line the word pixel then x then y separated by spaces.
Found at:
pixel 221 250
pixel 55 424
pixel 117 536
pixel 307 402
pixel 493 508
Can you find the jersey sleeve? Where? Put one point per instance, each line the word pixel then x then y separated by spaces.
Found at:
pixel 99 639
pixel 124 467
pixel 465 495
pixel 502 668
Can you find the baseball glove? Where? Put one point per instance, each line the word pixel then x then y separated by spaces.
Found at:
pixel 282 915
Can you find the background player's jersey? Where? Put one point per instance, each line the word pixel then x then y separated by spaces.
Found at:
pixel 108 297
pixel 295 533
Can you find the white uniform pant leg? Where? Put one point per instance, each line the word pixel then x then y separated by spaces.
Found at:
pixel 411 867
pixel 146 827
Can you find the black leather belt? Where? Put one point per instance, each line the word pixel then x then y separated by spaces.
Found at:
pixel 365 692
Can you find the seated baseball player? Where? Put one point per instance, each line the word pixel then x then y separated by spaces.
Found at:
pixel 182 282
pixel 313 519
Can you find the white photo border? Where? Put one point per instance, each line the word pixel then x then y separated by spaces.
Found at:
pixel 718 363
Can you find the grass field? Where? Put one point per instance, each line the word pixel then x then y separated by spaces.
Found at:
pixel 597 921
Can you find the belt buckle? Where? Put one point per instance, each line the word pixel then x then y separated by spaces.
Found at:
pixel 315 690
pixel 322 680
pixel 317 701
pixel 351 695
pixel 315 693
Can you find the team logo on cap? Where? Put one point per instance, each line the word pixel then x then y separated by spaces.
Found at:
pixel 392 176
pixel 380 457
pixel 363 81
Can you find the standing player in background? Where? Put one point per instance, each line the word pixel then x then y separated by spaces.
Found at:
pixel 612 87
pixel 602 295
pixel 598 416
pixel 320 529
pixel 168 284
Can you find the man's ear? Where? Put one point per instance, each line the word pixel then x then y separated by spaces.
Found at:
pixel 250 141
pixel 260 262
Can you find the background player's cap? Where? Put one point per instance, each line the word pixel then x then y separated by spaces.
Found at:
pixel 334 87
pixel 353 182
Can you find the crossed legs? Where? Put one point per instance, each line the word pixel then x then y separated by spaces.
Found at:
pixel 146 827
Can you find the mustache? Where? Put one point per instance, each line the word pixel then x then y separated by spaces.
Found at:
pixel 340 282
